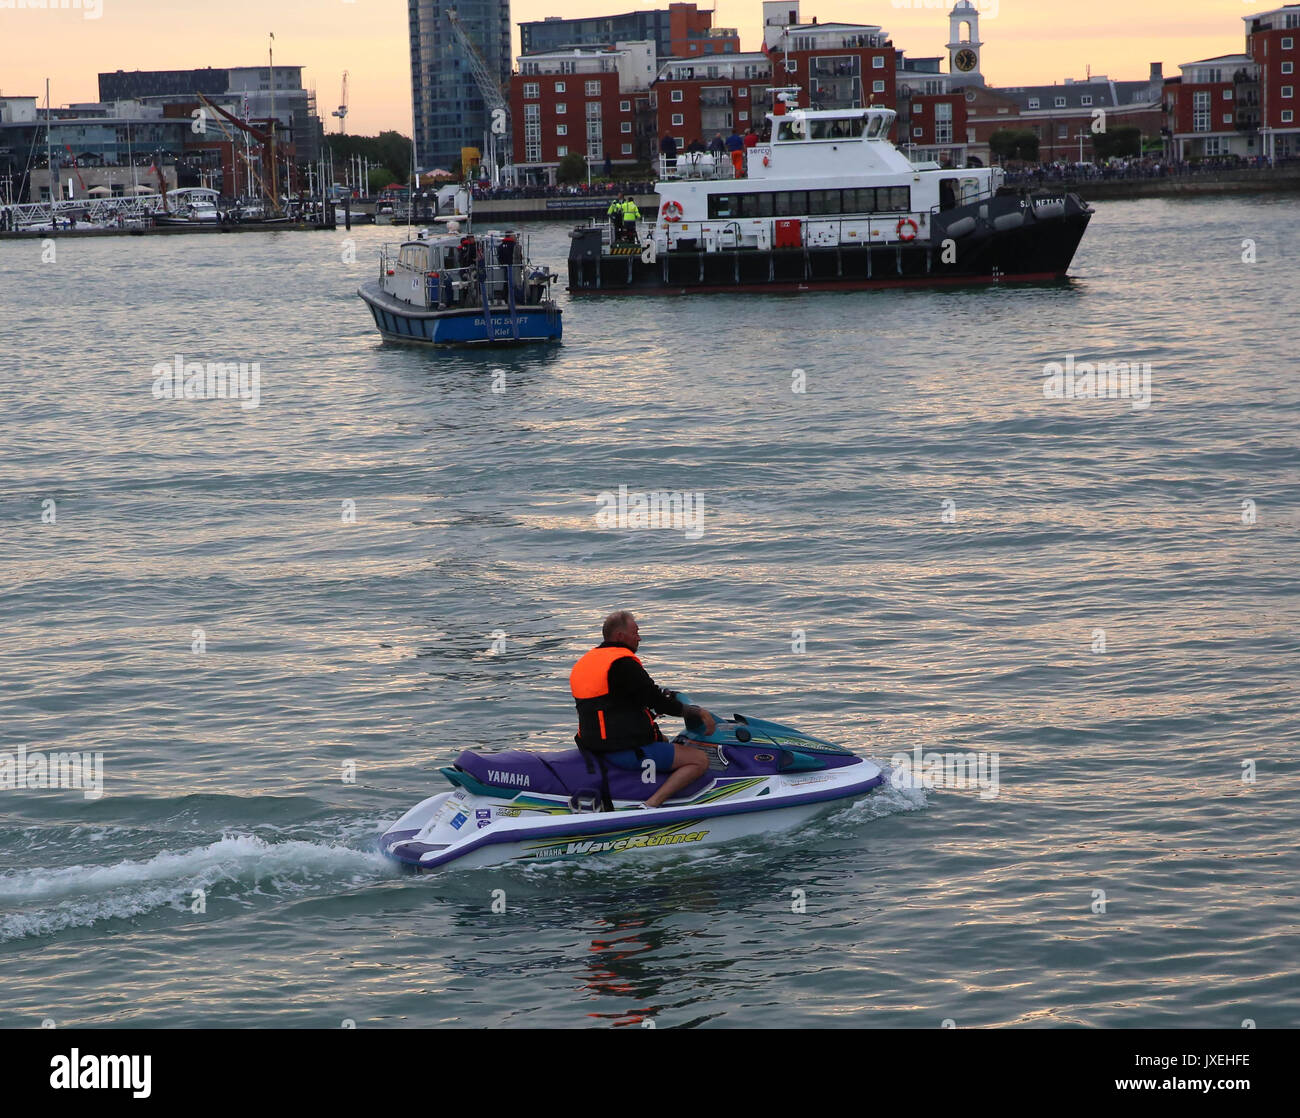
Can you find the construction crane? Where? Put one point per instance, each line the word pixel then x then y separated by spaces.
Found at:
pixel 493 97
pixel 342 111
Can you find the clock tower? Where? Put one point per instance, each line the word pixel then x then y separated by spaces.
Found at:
pixel 964 45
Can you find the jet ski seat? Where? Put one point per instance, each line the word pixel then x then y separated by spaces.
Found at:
pixel 558 774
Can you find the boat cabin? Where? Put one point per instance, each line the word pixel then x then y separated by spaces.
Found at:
pixel 823 178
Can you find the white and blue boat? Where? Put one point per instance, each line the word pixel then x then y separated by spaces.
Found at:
pixel 460 289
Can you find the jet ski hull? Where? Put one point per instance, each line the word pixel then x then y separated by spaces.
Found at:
pixel 484 830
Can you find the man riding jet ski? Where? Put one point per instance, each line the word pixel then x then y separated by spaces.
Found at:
pixel 719 780
pixel 617 702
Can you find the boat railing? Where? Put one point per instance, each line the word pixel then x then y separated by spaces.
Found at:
pixel 697 165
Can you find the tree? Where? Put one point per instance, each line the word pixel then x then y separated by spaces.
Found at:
pixel 1118 142
pixel 1010 143
pixel 379 178
pixel 573 168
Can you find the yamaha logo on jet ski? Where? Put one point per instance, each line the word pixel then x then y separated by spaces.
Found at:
pixel 768 778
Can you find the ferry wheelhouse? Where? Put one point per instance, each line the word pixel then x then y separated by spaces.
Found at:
pixel 827 202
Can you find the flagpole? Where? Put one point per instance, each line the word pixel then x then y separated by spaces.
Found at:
pixel 275 183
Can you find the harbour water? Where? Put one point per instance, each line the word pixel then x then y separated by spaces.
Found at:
pixel 905 546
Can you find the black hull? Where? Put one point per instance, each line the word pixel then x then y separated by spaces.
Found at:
pixel 1002 241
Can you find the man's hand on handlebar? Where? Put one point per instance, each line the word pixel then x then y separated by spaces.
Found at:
pixel 702 715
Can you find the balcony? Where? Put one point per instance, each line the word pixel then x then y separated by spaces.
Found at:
pixel 712 98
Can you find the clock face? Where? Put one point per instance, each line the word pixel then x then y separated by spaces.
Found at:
pixel 965 60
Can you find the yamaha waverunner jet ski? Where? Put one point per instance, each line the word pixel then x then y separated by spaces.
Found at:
pixel 525 806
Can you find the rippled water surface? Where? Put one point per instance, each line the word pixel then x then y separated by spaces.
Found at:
pixel 1069 584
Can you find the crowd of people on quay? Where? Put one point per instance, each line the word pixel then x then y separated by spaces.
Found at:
pixel 1148 167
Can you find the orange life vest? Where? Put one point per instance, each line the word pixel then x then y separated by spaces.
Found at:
pixel 604 725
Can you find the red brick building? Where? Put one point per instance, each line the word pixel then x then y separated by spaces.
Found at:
pixel 589 101
pixel 1241 104
pixel 698 98
pixel 691 33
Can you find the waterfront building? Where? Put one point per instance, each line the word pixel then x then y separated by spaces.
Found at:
pixel 255 90
pixel 590 101
pixel 1241 104
pixel 694 99
pixel 448 104
pixel 680 30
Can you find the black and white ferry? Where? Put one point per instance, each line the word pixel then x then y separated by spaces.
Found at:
pixel 830 202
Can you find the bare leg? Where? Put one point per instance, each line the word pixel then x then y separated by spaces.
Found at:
pixel 689 765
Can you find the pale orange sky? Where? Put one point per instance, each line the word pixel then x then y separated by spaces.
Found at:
pixel 1026 42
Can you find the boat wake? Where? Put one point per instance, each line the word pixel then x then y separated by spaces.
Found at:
pixel 38 902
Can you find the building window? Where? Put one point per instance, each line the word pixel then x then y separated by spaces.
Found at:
pixel 878 62
pixel 1033 102
pixel 677 95
pixel 561 108
pixel 1227 118
pixel 1287 116
pixel 1288 91
pixel 559 87
pixel 626 126
pixel 1288 44
pixel 562 150
pixel 678 120
pixel 791 65
pixel 943 123
pixel 743 91
pixel 625 106
pixel 970 135
pixel 918 108
pixel 561 129
pixel 1063 132
pixel 627 149
pixel 1060 102
pixel 532 133
pixel 743 115
pixel 1288 67
pixel 877 87
pixel 1086 99
pixel 1201 111
pixel 1214 146
pixel 918 132
pixel 593 89
pixel 1227 94
pixel 531 89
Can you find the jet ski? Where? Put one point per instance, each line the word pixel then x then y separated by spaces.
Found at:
pixel 522 805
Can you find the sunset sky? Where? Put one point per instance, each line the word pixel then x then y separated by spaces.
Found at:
pixel 1026 41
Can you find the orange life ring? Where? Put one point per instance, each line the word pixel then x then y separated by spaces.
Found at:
pixel 907 221
pixel 672 211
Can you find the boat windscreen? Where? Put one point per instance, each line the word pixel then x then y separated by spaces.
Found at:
pixel 823 128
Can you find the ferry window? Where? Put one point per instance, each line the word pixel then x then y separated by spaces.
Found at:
pixel 873 128
pixel 790 203
pixel 894 198
pixel 723 205
pixel 790 130
pixel 823 201
pixel 860 201
pixel 756 205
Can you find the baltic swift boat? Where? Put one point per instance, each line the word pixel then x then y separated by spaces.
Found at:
pixel 454 288
pixel 828 203
pixel 525 806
